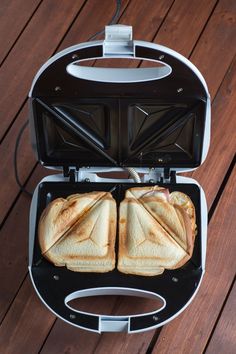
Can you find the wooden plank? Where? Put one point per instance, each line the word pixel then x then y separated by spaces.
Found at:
pixel 14 15
pixel 223 142
pixel 224 336
pixel 65 341
pixel 75 340
pixel 85 26
pixel 184 24
pixel 217 46
pixel 23 324
pixel 14 245
pixel 26 161
pixel 190 331
pixel 36 44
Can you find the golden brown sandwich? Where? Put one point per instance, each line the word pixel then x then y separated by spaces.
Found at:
pixel 156 230
pixel 79 232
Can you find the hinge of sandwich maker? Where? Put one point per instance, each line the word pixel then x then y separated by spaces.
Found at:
pixel 71 173
pixel 168 176
pixel 137 175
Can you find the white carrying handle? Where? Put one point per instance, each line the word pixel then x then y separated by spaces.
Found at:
pixel 109 323
pixel 119 75
pixel 118 44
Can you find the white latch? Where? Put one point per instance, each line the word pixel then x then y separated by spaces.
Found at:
pixel 118 33
pixel 118 41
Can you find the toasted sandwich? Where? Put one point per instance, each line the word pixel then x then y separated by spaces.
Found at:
pixel 156 230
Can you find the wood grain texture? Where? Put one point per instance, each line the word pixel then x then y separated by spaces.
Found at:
pixel 217 46
pixel 22 326
pixel 14 245
pixel 184 24
pixel 14 15
pixel 36 44
pixel 224 336
pixel 190 331
pixel 223 142
pixel 85 26
pixel 26 162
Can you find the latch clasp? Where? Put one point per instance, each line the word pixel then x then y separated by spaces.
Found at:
pixel 118 41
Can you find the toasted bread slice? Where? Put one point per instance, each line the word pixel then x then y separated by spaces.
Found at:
pixel 88 246
pixel 61 214
pixel 145 248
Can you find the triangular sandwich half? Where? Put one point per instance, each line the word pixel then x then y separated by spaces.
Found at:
pixel 152 210
pixel 145 248
pixel 88 246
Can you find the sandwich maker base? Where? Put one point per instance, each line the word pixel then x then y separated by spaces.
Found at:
pixel 54 284
pixel 85 121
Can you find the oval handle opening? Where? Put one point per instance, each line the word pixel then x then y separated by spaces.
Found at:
pixel 127 302
pixel 157 71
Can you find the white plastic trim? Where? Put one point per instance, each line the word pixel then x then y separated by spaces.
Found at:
pixel 114 291
pixel 118 75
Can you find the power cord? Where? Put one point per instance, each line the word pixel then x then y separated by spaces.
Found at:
pixel 22 187
pixel 112 22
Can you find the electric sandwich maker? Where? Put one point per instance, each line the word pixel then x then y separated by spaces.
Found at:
pixel 90 120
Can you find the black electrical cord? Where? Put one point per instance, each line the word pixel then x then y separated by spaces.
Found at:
pixel 22 188
pixel 112 22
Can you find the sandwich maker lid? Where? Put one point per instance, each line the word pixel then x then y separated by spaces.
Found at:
pixel 144 117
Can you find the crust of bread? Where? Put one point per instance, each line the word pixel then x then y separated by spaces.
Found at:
pixel 88 245
pixel 183 200
pixel 150 191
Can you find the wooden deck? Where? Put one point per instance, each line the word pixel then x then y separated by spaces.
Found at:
pixel 30 32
